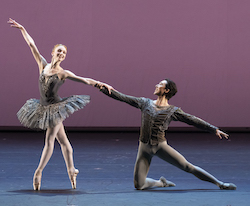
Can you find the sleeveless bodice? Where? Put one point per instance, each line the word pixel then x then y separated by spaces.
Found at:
pixel 51 109
pixel 49 86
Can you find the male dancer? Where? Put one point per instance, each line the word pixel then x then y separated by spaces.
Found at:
pixel 156 116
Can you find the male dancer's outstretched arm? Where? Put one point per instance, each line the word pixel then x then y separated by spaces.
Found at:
pixel 131 100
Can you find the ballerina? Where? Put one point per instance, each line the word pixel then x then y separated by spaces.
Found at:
pixel 50 111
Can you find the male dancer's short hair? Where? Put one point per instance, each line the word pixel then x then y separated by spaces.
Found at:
pixel 172 87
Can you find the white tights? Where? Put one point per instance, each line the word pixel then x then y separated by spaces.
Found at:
pixel 58 133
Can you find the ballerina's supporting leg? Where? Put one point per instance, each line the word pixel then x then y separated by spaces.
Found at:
pixel 46 155
pixel 67 152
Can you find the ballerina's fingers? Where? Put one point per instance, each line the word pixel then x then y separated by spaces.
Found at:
pixel 14 23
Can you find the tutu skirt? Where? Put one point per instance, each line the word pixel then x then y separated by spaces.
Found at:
pixel 36 116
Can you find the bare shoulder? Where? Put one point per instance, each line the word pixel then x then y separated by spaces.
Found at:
pixel 43 68
pixel 68 72
pixel 64 74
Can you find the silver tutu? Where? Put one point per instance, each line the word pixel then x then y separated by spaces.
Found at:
pixel 36 116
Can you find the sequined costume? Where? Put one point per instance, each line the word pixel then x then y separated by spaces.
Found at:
pixel 154 122
pixel 156 119
pixel 50 109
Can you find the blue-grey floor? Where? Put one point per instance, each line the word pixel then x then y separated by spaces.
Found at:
pixel 106 161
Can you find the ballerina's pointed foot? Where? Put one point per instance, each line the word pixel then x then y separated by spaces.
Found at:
pixel 228 186
pixel 73 178
pixel 37 182
pixel 37 186
pixel 167 183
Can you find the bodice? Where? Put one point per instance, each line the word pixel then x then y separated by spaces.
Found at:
pixel 49 86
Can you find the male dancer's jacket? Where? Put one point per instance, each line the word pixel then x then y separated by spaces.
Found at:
pixel 156 119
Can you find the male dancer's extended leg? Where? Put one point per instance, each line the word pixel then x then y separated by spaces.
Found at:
pixel 170 155
pixel 141 169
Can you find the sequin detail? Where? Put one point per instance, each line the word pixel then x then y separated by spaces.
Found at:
pixel 156 119
pixel 47 82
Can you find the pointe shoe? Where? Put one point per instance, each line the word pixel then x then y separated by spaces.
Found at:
pixel 37 186
pixel 37 182
pixel 166 183
pixel 228 186
pixel 73 179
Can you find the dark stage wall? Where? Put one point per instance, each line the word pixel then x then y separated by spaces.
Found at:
pixel 133 44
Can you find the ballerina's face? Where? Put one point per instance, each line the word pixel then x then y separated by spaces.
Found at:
pixel 59 52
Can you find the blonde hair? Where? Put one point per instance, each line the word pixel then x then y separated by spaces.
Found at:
pixel 59 45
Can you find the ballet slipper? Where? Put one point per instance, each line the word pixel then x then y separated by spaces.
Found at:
pixel 37 182
pixel 166 183
pixel 228 186
pixel 73 178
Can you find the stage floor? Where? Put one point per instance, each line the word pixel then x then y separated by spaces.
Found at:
pixel 106 161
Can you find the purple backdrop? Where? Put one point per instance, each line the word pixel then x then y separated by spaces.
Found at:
pixel 133 44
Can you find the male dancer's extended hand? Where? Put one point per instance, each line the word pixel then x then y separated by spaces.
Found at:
pixel 221 134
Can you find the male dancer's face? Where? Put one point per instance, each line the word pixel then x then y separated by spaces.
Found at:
pixel 160 88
